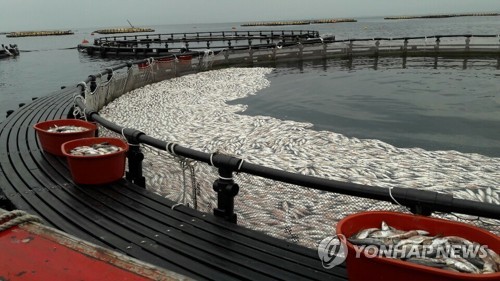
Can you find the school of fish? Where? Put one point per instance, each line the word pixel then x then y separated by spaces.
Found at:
pixel 192 111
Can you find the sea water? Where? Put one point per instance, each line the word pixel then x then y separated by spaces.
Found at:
pixel 444 107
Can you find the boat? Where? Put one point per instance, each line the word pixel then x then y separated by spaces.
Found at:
pixel 9 51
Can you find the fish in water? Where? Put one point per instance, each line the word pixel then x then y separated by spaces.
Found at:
pixel 66 129
pixel 95 149
pixel 451 253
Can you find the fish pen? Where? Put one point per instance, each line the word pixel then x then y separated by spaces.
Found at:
pixel 173 185
pixel 154 45
pixel 189 174
pixel 266 46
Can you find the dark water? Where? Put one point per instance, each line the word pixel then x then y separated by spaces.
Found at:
pixel 447 107
pixel 443 108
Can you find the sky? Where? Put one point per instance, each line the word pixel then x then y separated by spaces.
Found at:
pixel 19 15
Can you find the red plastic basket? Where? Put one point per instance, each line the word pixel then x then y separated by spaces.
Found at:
pixel 381 268
pixel 51 141
pixel 98 169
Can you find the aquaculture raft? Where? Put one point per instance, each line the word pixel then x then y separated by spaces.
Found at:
pixel 39 33
pixel 124 30
pixel 156 45
pixel 299 22
pixel 127 218
pixel 443 16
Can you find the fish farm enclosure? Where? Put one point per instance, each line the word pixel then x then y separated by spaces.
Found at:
pixel 206 213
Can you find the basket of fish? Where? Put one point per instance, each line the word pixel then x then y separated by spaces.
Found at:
pixel 53 133
pixel 397 246
pixel 96 160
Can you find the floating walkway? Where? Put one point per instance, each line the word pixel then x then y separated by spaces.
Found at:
pixel 443 16
pixel 131 220
pixel 39 33
pixel 300 22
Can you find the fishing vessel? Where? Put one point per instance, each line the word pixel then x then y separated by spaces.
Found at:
pixel 8 51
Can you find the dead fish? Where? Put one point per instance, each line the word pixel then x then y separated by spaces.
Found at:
pixel 461 265
pixel 437 263
pixel 95 149
pixel 364 233
pixel 368 241
pixel 67 129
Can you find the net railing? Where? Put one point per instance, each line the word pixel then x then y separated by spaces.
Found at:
pixel 293 212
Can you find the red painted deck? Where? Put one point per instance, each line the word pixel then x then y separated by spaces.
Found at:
pixel 39 253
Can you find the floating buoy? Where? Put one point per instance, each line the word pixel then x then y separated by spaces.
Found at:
pixel 85 41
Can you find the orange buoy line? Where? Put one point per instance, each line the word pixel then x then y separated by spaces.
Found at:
pixel 40 33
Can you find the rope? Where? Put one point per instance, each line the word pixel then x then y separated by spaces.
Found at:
pixel 77 111
pixel 184 163
pixel 16 217
pixel 394 199
pixel 130 144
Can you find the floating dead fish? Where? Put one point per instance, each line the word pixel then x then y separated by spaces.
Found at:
pixel 67 129
pixel 192 110
pixel 95 149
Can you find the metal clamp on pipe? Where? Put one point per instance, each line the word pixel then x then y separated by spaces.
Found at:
pixel 422 202
pixel 226 190
pixel 134 156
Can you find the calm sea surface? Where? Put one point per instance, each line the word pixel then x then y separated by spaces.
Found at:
pixel 451 105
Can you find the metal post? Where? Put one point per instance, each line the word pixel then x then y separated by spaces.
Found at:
pixel 226 190
pixel 467 43
pixel 377 46
pixel 437 44
pixel 135 157
pixel 93 83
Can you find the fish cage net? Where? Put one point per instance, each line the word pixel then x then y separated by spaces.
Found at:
pixel 293 213
pixel 117 83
